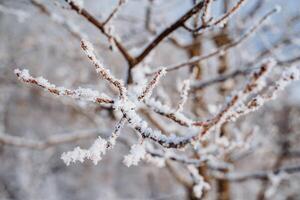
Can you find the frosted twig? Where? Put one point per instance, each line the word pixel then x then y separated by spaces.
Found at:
pixel 89 51
pixel 170 113
pixel 80 93
pixel 94 153
pixel 255 83
pixel 147 91
pixel 288 76
pixel 116 133
pixel 137 152
pixel 183 95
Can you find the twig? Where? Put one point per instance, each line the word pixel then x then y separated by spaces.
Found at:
pixel 238 177
pixel 80 93
pixel 83 12
pixel 221 51
pixel 147 91
pixel 222 78
pixel 89 51
pixel 221 21
pixel 168 31
pixel 114 12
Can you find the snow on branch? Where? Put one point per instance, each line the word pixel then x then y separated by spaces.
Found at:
pixel 183 95
pixel 256 82
pixel 89 51
pixel 290 75
pixel 94 153
pixel 137 152
pixel 97 150
pixel 80 93
pixel 147 91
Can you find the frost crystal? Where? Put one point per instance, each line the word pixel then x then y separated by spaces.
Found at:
pixel 93 153
pixel 137 152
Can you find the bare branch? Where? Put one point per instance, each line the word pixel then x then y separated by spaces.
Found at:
pixel 114 12
pixel 221 51
pixel 99 25
pixel 168 31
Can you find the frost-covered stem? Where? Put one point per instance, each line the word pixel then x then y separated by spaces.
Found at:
pixel 116 133
pixel 141 126
pixel 114 12
pixel 137 153
pixel 167 112
pixel 288 76
pixel 254 84
pixel 147 91
pixel 102 71
pixel 93 153
pixel 225 48
pixel 183 95
pixel 171 114
pixel 97 150
pixel 80 93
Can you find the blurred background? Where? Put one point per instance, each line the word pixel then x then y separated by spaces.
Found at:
pixel 32 39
